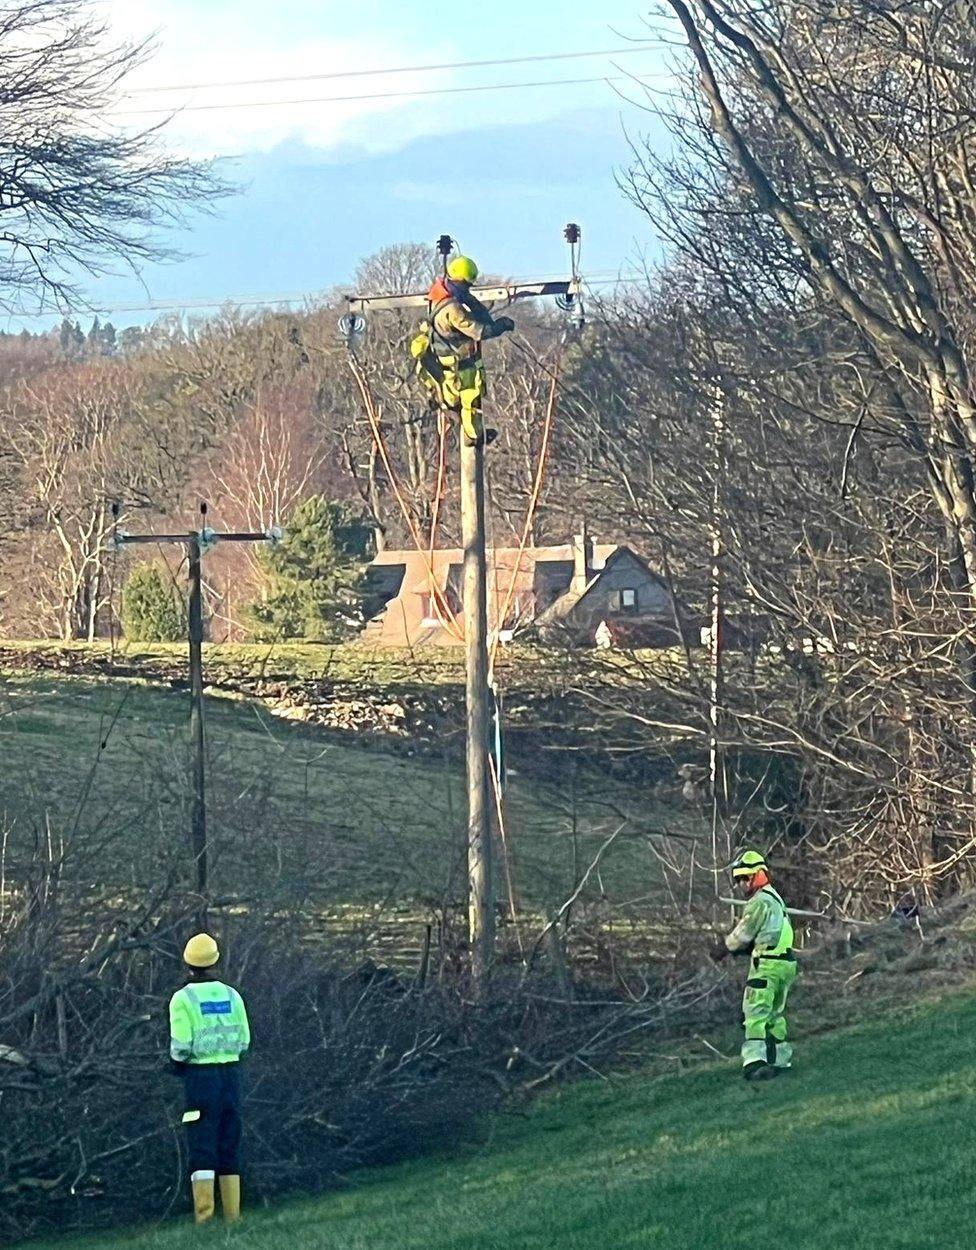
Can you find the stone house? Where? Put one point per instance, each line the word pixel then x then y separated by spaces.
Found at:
pixel 569 589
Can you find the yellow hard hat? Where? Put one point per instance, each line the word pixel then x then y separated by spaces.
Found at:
pixel 462 269
pixel 748 864
pixel 201 951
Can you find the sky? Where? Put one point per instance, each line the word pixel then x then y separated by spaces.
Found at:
pixel 320 183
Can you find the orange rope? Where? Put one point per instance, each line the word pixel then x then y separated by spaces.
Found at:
pixel 441 477
pixel 530 514
pixel 439 600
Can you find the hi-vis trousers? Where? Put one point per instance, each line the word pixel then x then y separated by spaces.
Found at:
pixel 764 1012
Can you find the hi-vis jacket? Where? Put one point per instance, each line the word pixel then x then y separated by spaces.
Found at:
pixel 458 320
pixel 208 1024
pixel 764 929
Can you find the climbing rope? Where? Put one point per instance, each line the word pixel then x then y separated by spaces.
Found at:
pixel 442 608
pixel 441 483
pixel 534 499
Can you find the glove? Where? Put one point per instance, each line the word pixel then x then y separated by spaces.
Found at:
pixel 504 324
pixel 719 952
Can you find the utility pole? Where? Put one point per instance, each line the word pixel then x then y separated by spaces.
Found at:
pixel 481 866
pixel 198 741
pixel 478 695
pixel 197 544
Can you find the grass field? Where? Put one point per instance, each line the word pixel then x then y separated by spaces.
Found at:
pixel 517 666
pixel 96 768
pixel 867 1145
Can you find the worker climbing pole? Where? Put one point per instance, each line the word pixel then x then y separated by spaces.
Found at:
pixel 448 353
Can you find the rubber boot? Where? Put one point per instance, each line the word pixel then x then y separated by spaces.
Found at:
pixel 759 1071
pixel 230 1197
pixel 473 427
pixel 203 1200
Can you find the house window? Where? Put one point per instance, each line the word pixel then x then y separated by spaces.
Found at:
pixel 426 609
pixel 623 600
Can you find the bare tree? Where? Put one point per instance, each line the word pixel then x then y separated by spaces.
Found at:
pixel 77 191
pixel 78 449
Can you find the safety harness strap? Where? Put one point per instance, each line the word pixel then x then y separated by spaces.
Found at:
pixel 458 344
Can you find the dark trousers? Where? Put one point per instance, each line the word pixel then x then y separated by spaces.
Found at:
pixel 214 1137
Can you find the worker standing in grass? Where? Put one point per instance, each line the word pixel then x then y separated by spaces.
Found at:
pixel 765 934
pixel 209 1035
pixel 448 348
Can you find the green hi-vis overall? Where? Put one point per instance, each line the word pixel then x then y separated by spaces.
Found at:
pixel 766 933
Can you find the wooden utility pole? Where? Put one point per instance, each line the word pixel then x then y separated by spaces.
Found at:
pixel 481 883
pixel 478 696
pixel 196 543
pixel 198 742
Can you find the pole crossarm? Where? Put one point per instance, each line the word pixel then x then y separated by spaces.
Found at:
pixel 205 537
pixel 504 293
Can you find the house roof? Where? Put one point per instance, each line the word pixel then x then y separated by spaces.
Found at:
pixel 419 570
pixel 502 562
pixel 565 604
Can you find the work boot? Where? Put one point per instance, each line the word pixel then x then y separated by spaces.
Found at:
pixel 472 426
pixel 203 1196
pixel 759 1071
pixel 230 1197
pixel 482 440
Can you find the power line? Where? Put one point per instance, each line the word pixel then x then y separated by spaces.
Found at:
pixel 600 278
pixel 395 69
pixel 382 95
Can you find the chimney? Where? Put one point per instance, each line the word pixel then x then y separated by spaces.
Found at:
pixel 582 560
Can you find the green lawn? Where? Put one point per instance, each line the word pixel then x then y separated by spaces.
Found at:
pixel 867 1145
pixel 341 663
pixel 96 769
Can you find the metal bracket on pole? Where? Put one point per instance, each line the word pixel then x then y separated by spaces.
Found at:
pixel 352 327
pixel 207 540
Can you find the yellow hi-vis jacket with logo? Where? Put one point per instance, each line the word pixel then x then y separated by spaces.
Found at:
pixel 764 928
pixel 208 1024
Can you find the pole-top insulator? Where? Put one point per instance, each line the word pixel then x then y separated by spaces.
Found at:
pixel 572 233
pixel 444 245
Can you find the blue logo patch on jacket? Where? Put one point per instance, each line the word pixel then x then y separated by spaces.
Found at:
pixel 221 1008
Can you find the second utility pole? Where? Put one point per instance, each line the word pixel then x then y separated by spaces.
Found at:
pixel 196 542
pixel 198 814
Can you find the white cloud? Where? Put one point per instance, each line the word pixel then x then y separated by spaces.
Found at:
pixel 213 41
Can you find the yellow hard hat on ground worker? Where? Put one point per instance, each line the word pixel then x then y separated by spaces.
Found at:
pixel 201 951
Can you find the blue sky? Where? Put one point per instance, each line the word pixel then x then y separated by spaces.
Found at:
pixel 323 184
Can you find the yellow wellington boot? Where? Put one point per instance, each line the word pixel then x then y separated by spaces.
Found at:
pixel 203 1196
pixel 472 425
pixel 230 1197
